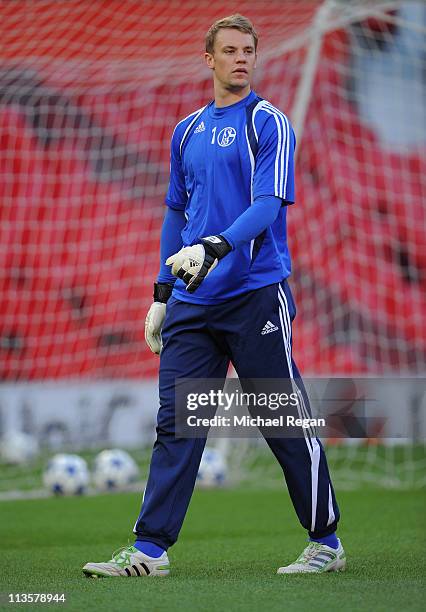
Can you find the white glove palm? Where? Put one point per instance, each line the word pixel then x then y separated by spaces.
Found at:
pixel 190 260
pixel 193 263
pixel 153 324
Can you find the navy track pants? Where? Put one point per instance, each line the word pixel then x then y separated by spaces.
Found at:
pixel 199 342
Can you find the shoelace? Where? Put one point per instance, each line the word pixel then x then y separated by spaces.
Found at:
pixel 117 556
pixel 310 552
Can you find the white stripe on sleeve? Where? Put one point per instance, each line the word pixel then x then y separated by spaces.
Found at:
pixel 283 146
pixel 285 150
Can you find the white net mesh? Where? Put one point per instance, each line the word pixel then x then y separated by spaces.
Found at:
pixel 89 98
pixel 360 261
pixel 88 101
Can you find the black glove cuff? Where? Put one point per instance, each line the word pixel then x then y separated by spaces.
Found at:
pixel 216 246
pixel 162 292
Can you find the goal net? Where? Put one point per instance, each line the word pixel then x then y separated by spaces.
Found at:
pixel 89 95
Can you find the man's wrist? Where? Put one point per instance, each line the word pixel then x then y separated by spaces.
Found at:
pixel 162 292
pixel 216 246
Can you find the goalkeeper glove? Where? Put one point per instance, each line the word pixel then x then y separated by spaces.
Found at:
pixel 155 317
pixel 193 263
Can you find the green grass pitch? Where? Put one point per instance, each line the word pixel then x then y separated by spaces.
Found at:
pixel 230 547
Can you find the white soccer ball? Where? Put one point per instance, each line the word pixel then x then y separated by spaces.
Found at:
pixel 114 470
pixel 66 475
pixel 213 468
pixel 18 448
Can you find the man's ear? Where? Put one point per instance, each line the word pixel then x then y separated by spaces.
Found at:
pixel 209 57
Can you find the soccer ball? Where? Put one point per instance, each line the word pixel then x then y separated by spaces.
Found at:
pixel 213 468
pixel 18 448
pixel 66 475
pixel 114 470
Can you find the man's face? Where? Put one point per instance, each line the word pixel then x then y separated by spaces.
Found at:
pixel 233 60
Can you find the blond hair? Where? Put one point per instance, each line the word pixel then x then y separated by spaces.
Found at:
pixel 238 22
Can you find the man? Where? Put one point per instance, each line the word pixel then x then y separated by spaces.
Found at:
pixel 224 235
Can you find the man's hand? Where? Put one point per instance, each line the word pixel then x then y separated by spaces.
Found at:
pixel 155 317
pixel 153 324
pixel 193 263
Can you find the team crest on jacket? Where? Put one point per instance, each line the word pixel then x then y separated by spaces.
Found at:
pixel 226 136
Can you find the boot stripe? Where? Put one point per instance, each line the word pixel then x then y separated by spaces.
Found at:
pixel 126 569
pixel 135 567
pixel 146 568
pixel 325 556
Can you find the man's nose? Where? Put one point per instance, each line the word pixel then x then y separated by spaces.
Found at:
pixel 241 57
